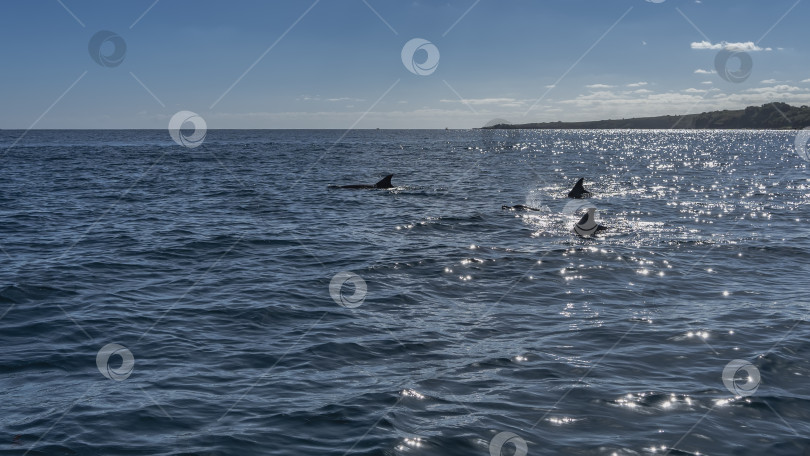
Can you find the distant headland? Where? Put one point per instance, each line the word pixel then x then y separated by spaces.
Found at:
pixel 771 116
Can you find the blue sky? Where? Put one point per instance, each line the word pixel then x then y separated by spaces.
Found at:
pixel 338 63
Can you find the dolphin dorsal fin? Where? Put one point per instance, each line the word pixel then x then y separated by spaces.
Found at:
pixel 385 182
pixel 578 189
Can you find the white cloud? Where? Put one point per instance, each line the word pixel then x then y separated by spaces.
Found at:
pixel 776 89
pixel 506 102
pixel 693 90
pixel 642 91
pixel 599 86
pixel 748 46
pixel 637 84
pixel 702 71
pixel 707 82
pixel 344 99
pixel 806 80
pixel 770 81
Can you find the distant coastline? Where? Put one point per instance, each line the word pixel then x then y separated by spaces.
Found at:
pixel 771 116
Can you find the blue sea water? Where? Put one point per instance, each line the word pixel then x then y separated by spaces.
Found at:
pixel 469 325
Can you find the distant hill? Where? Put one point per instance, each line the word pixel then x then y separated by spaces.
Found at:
pixel 771 116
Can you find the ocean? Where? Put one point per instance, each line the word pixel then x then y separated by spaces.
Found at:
pixel 224 300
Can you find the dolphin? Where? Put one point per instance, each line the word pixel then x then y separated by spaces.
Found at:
pixel 578 191
pixel 520 207
pixel 383 184
pixel 587 225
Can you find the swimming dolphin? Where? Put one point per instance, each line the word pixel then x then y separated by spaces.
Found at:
pixel 384 183
pixel 520 207
pixel 578 191
pixel 587 225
